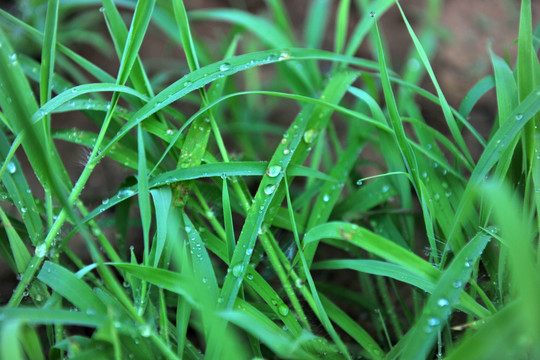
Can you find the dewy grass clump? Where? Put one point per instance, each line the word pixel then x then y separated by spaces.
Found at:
pixel 244 224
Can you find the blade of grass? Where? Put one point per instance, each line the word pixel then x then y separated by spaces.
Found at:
pixel 445 296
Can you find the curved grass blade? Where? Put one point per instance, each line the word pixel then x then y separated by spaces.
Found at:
pixel 245 168
pixel 477 91
pixel 387 250
pixel 72 288
pixel 380 268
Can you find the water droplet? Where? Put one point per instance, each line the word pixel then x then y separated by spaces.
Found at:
pixel 102 9
pixel 468 262
pixel 237 270
pixel 283 310
pixel 249 276
pixel 146 331
pixel 269 189
pixel 299 283
pixel 433 321
pixel 457 284
pixel 204 280
pixel 170 132
pixel 286 151
pixel 41 250
pixel 249 252
pixel 326 198
pixel 11 167
pixel 359 182
pixel 372 14
pixel 385 188
pixel 187 83
pixel 224 67
pixel 220 300
pixel 105 201
pixel 13 57
pixel 271 58
pixel 273 170
pixel 24 210
pixel 125 193
pixel 519 117
pixel 442 302
pixel 309 135
pixel 284 55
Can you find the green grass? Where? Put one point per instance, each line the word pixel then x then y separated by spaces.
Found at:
pixel 248 226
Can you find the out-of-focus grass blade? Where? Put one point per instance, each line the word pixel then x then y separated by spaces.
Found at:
pixel 316 22
pixel 264 29
pixel 10 346
pixel 267 33
pixel 72 288
pixel 378 7
pixel 477 91
pixel 281 17
pixel 30 341
pixel 491 340
pixel 33 315
pixel 512 217
pixel 443 299
pixel 342 17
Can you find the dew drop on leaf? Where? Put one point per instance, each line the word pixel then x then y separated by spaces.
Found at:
pixel 41 250
pixel 11 167
pixel 283 309
pixel 224 67
pixel 269 189
pixel 273 170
